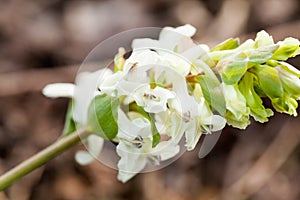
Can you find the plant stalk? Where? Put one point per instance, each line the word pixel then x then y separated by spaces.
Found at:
pixel 41 158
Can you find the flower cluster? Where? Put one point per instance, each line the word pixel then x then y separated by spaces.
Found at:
pixel 253 70
pixel 169 90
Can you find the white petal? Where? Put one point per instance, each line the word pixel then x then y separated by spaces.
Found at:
pixel 154 107
pixel 110 83
pixel 83 158
pixel 56 90
pixel 130 163
pixel 95 145
pixel 194 53
pixel 127 87
pixel 192 135
pixel 177 128
pixel 187 30
pixel 145 43
pixel 86 86
pixel 166 150
pixel 177 39
pixel 163 93
pixel 168 38
pixel 153 100
pixel 177 62
pixel 131 129
pixel 140 57
pixel 186 104
pixel 217 122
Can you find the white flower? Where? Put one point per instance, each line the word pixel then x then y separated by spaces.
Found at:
pixel 135 147
pixel 175 47
pixel 205 123
pixel 83 93
pixel 174 39
pixel 194 118
pixel 139 58
pixel 153 100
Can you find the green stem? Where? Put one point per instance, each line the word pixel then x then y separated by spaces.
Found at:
pixel 41 158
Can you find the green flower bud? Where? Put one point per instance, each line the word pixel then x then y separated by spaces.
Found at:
pixel 290 82
pixel 227 45
pixel 261 54
pixel 288 48
pixel 269 81
pixel 263 39
pixel 237 114
pixel 285 105
pixel 233 68
pixel 210 86
pixel 119 59
pixel 253 101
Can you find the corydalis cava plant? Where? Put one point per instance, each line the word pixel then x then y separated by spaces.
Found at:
pixel 176 90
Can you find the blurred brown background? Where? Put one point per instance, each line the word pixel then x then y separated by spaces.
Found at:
pixel 44 41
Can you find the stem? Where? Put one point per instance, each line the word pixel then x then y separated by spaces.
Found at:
pixel 41 158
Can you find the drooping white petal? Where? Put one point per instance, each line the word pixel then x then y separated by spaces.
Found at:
pixel 83 158
pixel 94 145
pixel 56 90
pixel 214 122
pixel 166 150
pixel 131 162
pixel 192 135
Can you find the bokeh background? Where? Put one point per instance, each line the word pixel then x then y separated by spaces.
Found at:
pixel 45 41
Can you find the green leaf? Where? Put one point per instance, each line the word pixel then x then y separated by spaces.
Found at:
pixel 140 110
pixel 288 48
pixel 233 68
pixel 102 116
pixel 70 124
pixel 227 45
pixel 210 86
